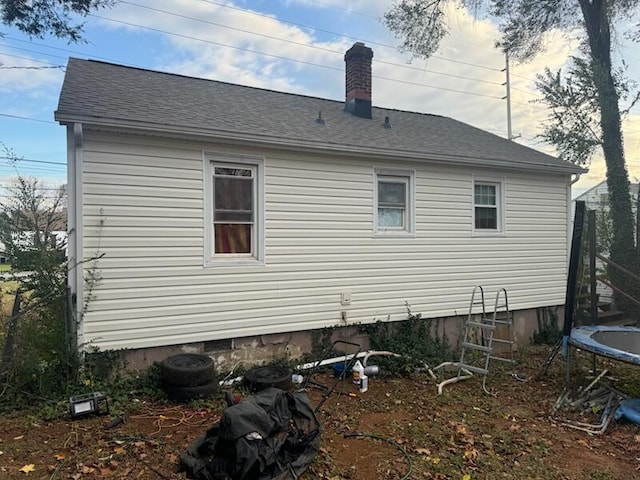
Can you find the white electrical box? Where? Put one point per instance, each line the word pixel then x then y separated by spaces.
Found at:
pixel 345 298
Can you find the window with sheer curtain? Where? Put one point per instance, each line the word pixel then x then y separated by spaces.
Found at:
pixel 234 210
pixel 394 202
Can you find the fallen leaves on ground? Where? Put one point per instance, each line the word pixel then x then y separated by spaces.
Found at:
pixel 28 468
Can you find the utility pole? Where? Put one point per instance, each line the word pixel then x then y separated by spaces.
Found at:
pixel 507 84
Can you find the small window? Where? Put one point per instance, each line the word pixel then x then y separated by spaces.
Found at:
pixel 604 199
pixel 234 211
pixel 394 202
pixel 487 214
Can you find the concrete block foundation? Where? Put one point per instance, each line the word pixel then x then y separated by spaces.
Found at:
pixel 263 349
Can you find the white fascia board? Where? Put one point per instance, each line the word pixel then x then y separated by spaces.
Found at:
pixel 230 137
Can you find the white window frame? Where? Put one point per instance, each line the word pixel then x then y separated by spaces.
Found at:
pixel 499 184
pixel 256 164
pixel 401 176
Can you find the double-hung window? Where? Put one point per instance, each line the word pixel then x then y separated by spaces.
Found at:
pixel 234 210
pixel 394 202
pixel 487 206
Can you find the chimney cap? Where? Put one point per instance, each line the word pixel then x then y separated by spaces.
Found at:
pixel 359 49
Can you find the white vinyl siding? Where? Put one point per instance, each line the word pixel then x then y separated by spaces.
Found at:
pixel 144 212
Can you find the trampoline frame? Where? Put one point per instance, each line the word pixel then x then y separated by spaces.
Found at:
pixel 583 338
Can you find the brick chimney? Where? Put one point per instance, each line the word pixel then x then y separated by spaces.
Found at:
pixel 358 80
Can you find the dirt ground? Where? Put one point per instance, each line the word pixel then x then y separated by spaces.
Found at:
pixel 411 433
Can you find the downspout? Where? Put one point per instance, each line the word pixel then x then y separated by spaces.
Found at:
pixel 569 211
pixel 74 229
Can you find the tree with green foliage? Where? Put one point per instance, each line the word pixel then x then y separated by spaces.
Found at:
pixel 30 219
pixel 38 18
pixel 421 25
pixel 573 120
pixel 36 352
pixel 39 352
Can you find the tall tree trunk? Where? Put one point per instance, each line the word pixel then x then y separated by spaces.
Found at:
pixel 597 25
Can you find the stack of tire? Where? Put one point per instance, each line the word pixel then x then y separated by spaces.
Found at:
pixel 188 376
pixel 260 378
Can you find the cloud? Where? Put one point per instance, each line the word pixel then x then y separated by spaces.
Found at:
pixel 464 80
pixel 236 42
pixel 238 46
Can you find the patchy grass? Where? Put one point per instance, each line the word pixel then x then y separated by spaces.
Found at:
pixel 5 267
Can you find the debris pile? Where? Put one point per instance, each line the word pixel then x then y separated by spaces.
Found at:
pixel 602 400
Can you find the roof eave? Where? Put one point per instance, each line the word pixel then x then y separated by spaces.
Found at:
pixel 237 138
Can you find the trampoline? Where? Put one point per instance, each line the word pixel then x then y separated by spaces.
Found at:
pixel 616 342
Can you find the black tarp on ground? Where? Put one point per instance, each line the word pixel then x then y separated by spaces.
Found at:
pixel 272 435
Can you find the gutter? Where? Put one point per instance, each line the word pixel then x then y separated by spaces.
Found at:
pixel 235 138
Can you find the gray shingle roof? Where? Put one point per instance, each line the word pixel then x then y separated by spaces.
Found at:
pixel 100 93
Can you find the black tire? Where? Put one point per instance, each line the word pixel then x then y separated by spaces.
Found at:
pixel 186 394
pixel 260 378
pixel 187 370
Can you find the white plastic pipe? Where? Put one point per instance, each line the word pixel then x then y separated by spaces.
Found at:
pixel 329 361
pixel 345 358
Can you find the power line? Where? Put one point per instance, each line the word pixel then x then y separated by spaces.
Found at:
pixel 2 67
pixel 439 88
pixel 255 52
pixel 229 27
pixel 189 37
pixel 523 77
pixel 30 168
pixel 371 42
pixel 462 77
pixel 264 54
pixel 286 40
pixel 356 12
pixel 520 90
pixel 280 57
pixel 53 166
pixel 37 172
pixel 18 159
pixel 32 51
pixel 31 59
pixel 75 52
pixel 26 118
pixel 46 189
pixel 44 196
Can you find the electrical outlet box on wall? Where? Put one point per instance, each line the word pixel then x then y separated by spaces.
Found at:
pixel 345 298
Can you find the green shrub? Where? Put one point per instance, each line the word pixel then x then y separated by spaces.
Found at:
pixel 548 332
pixel 39 363
pixel 414 339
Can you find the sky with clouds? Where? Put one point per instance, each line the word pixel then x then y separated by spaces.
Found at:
pixel 295 46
